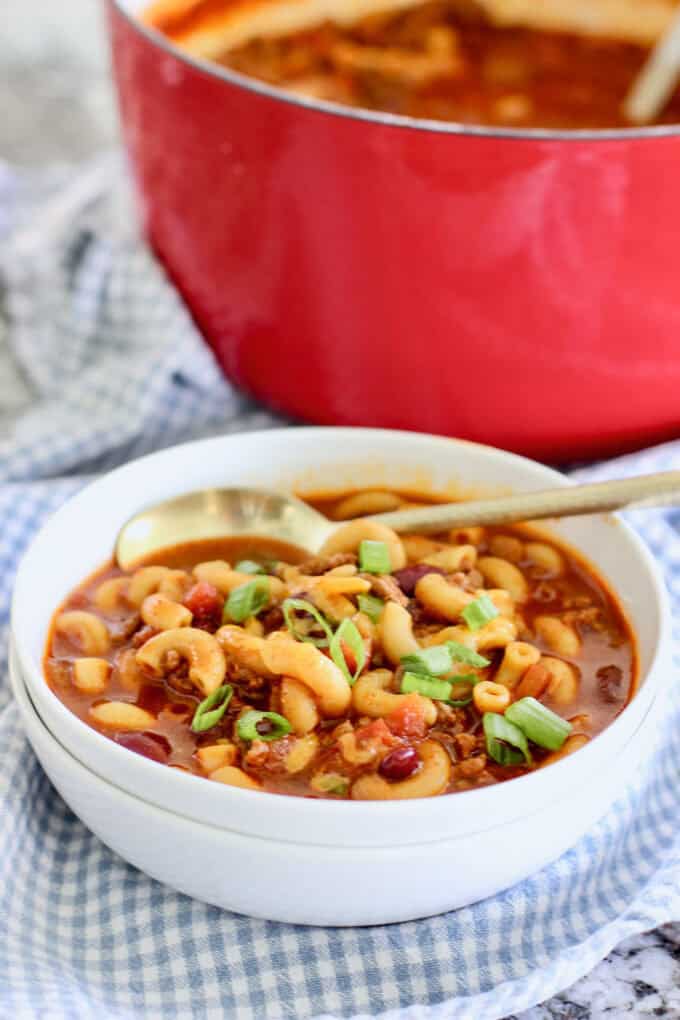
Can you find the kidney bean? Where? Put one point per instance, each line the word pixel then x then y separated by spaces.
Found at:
pixel 150 745
pixel 408 577
pixel 400 763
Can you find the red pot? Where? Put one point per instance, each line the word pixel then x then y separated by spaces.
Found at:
pixel 517 288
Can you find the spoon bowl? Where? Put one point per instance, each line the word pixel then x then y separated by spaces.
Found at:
pixel 220 513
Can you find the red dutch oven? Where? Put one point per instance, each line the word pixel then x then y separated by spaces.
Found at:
pixel 519 288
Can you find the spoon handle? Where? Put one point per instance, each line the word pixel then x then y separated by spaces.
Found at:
pixel 645 491
pixel 657 79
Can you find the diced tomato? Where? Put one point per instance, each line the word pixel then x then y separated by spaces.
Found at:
pixel 350 657
pixel 376 732
pixel 408 719
pixel 206 604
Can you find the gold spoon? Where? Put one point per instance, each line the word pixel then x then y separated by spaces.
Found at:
pixel 225 513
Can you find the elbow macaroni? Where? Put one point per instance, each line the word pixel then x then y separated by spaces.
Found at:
pixel 517 658
pixel 503 574
pixel 442 598
pixel 395 631
pixel 349 537
pixel 202 652
pixel 86 631
pixel 558 636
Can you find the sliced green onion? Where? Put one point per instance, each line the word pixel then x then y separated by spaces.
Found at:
pixel 480 612
pixel 249 567
pixel 505 742
pixel 459 653
pixel 262 726
pixel 247 600
pixel 545 728
pixel 434 661
pixel 374 557
pixel 438 690
pixel 371 605
pixel 204 718
pixel 347 634
pixel 290 607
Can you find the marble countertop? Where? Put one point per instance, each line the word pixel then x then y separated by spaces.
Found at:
pixel 58 108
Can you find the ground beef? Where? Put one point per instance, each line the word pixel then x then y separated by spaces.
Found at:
pixel 142 636
pixel 272 619
pixel 465 744
pixel 471 767
pixel 59 671
pixel 469 580
pixel 121 630
pixel 610 684
pixel 321 564
pixel 249 687
pixel 387 588
pixel 590 617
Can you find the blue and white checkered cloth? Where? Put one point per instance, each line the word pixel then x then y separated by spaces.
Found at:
pixel 99 362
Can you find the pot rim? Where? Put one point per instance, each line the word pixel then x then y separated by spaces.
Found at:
pixel 386 120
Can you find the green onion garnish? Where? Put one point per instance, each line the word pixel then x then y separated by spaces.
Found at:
pixel 545 728
pixel 459 653
pixel 255 725
pixel 438 690
pixel 347 634
pixel 247 600
pixel 249 567
pixel 434 661
pixel 374 557
pixel 505 742
pixel 480 612
pixel 204 718
pixel 290 607
pixel 371 605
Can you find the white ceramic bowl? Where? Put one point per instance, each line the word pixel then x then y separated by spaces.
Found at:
pixel 508 831
pixel 306 884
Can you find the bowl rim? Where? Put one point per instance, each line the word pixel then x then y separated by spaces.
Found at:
pixel 318 808
pixel 25 703
pixel 386 120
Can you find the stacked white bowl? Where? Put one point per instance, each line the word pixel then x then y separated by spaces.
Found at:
pixel 313 861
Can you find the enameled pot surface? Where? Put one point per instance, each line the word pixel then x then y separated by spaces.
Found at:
pixel 308 459
pixel 303 884
pixel 352 268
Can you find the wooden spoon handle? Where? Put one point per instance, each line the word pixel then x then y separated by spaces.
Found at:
pixel 647 490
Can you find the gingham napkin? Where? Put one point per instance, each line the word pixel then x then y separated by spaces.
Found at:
pixel 99 362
